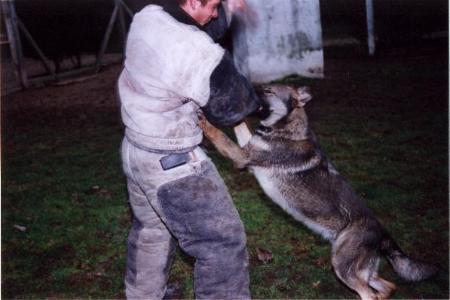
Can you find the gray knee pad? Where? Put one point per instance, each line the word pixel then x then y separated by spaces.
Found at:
pixel 200 213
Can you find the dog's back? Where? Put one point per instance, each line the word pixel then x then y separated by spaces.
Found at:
pixel 293 172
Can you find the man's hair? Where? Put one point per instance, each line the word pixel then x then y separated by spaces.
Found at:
pixel 182 2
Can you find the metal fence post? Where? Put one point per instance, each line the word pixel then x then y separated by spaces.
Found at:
pixel 36 48
pixel 15 44
pixel 370 27
pixel 122 25
pixel 107 36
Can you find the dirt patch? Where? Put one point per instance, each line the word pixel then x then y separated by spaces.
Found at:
pixel 94 91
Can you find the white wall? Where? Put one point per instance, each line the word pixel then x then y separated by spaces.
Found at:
pixel 285 39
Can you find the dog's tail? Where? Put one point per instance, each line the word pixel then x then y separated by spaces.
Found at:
pixel 406 267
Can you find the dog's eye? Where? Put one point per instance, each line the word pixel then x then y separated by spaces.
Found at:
pixel 268 92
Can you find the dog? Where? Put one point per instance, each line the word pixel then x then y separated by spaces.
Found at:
pixel 293 171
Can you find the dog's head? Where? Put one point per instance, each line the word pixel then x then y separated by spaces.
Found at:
pixel 287 117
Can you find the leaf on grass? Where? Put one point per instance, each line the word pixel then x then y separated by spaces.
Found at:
pixel 76 197
pixel 316 284
pixel 321 262
pixel 20 228
pixel 102 192
pixel 264 256
pixel 105 193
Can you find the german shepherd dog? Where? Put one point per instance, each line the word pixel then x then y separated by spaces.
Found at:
pixel 285 157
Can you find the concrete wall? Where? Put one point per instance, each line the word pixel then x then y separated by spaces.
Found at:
pixel 285 38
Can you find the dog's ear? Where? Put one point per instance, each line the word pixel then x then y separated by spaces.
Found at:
pixel 301 96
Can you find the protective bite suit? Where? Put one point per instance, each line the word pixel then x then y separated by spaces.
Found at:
pixel 173 69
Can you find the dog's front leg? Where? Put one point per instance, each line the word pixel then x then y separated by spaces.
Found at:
pixel 224 144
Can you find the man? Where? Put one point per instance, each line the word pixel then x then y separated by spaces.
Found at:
pixel 172 70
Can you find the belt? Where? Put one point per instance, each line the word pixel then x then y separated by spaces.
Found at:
pixel 178 159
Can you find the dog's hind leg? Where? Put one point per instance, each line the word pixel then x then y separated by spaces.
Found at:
pixel 356 281
pixel 383 287
pixel 354 264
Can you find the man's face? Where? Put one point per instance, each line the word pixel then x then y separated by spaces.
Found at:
pixel 205 13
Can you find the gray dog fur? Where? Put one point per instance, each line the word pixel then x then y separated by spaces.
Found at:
pixel 288 163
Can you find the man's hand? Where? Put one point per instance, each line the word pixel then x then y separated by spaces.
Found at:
pixel 236 5
pixel 243 11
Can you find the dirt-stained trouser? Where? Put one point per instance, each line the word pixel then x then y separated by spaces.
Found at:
pixel 189 204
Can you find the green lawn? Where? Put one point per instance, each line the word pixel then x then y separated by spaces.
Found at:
pixel 65 216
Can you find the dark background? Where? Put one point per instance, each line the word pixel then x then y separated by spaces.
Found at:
pixel 382 120
pixel 396 21
pixel 68 27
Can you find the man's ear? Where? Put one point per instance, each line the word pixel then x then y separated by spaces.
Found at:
pixel 193 4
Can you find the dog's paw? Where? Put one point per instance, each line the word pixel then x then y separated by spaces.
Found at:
pixel 240 165
pixel 204 124
pixel 200 115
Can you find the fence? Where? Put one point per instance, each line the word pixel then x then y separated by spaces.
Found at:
pixel 16 32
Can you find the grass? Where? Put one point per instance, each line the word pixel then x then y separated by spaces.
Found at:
pixel 383 126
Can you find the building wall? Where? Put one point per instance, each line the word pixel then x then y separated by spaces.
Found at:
pixel 279 38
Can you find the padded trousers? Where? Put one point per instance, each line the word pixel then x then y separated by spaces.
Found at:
pixel 189 205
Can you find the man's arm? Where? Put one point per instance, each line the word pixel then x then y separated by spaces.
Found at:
pixel 218 27
pixel 232 95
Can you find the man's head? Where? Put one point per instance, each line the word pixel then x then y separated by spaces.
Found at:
pixel 201 11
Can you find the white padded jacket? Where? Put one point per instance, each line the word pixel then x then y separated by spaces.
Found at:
pixel 165 80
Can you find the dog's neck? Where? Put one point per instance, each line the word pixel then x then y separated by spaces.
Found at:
pixel 298 124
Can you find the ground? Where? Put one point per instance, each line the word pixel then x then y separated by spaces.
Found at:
pixel 382 120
